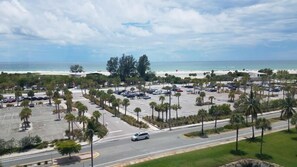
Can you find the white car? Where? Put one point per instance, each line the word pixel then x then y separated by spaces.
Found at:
pixel 140 136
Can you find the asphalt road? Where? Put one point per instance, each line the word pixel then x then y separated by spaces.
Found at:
pixel 122 149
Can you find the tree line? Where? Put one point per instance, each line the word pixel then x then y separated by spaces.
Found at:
pixel 126 66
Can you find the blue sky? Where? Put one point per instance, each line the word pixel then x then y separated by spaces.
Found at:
pixel 165 30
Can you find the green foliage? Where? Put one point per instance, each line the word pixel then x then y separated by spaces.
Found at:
pixel 112 65
pixel 67 147
pixel 223 109
pixel 76 68
pixel 143 65
pixel 132 121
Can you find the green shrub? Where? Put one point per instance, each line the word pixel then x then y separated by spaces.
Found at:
pixel 9 105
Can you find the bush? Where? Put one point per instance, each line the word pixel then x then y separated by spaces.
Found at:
pixel 9 105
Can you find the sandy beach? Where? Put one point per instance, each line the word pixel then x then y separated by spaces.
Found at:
pixel 182 74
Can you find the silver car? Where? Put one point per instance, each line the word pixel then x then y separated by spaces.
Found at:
pixel 140 136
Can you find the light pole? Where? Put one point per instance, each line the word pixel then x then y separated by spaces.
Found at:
pixel 91 138
pixel 169 109
pixel 103 119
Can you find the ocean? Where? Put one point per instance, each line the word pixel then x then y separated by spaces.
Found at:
pixel 155 66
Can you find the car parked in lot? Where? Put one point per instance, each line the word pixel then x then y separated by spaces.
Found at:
pixel 140 136
pixel 146 97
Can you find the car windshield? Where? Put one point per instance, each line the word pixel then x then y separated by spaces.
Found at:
pixel 136 134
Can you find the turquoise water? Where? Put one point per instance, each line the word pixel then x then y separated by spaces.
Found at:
pixel 156 66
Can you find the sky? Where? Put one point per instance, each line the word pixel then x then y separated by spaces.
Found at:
pixel 164 30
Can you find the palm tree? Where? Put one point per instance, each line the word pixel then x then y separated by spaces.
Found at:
pixel 57 103
pixel 70 118
pixel 211 98
pixel 25 103
pixel 198 101
pixel 231 96
pixel 31 94
pixel 176 107
pixel 202 114
pixel 82 119
pixel 252 107
pixel 97 115
pixel 162 98
pixel 82 109
pixel 262 124
pixel 126 103
pixel 202 95
pixel 24 115
pixel 17 95
pixel 177 95
pixel 153 106
pixel 236 120
pixel 137 110
pixel 215 113
pixel 288 109
pixel 49 93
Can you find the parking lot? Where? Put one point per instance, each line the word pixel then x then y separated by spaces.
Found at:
pixel 42 121
pixel 187 101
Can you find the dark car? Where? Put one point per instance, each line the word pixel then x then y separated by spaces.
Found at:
pixel 31 105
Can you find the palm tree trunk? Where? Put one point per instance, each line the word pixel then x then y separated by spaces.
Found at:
pixel 261 141
pixel 125 110
pixel 202 130
pixel 69 130
pixel 253 128
pixel 216 119
pixel 152 113
pixel 288 124
pixel 237 138
pixel 137 117
pixel 176 114
pixel 72 130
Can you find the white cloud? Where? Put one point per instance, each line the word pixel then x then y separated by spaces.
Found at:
pixel 194 25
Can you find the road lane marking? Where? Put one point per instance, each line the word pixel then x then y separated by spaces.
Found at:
pixel 116 131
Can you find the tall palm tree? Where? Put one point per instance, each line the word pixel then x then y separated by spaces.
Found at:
pixel 211 98
pixel 126 103
pixel 153 106
pixel 202 114
pixel 162 98
pixel 215 113
pixel 57 103
pixel 288 109
pixel 70 118
pixel 177 95
pixel 236 120
pixel 49 93
pixel 252 107
pixel 176 107
pixel 82 119
pixel 25 115
pixel 82 109
pixel 263 124
pixel 97 115
pixel 202 95
pixel 137 110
